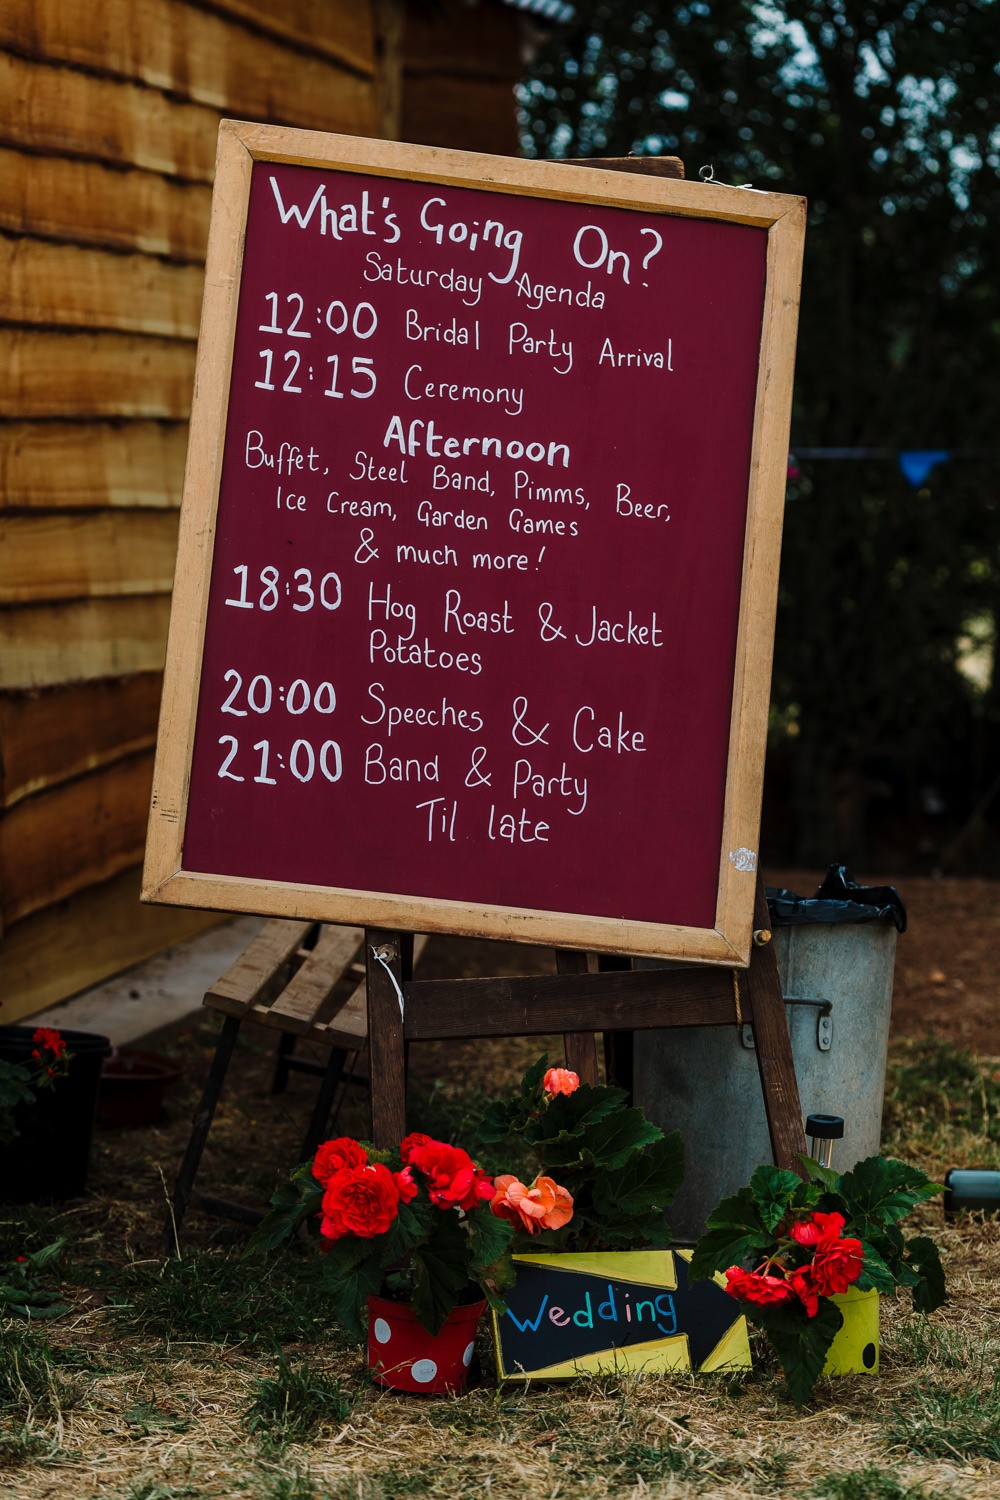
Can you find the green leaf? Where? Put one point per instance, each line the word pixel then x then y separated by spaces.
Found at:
pixel 558 1153
pixel 888 1241
pixel 646 1181
pixel 735 1236
pixel 720 1248
pixel 534 1076
pixel 16 1088
pixel 929 1291
pixel 502 1118
pixel 801 1343
pixel 292 1202
pixel 414 1222
pixel 874 1272
pixel 650 1230
pixel 740 1213
pixel 774 1190
pixel 352 1275
pixel 825 1176
pixel 880 1191
pixel 34 1313
pixel 39 1259
pixel 350 1303
pixel 489 1241
pixel 494 1298
pixel 571 1114
pixel 33 1296
pixel 514 1115
pixel 441 1272
pixel 610 1142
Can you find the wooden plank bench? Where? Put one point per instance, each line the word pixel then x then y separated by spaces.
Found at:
pixel 305 981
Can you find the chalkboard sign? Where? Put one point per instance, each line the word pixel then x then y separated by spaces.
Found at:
pixel 632 1310
pixel 477 567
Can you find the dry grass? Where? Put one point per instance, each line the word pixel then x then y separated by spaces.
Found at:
pixel 206 1379
pixel 174 1425
pixel 120 1413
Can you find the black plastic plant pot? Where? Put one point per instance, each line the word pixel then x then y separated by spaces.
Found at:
pixel 48 1159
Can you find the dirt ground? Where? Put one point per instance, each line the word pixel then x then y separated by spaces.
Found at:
pixel 947 982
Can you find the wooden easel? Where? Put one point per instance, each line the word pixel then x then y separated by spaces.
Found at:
pixel 578 1003
pixel 192 792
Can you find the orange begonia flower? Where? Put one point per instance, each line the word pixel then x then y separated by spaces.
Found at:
pixel 543 1205
pixel 561 1081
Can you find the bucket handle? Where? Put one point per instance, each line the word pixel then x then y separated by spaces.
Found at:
pixel 824 1022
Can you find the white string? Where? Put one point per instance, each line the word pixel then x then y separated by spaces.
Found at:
pixel 379 954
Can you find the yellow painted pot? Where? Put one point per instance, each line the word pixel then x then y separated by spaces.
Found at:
pixel 854 1351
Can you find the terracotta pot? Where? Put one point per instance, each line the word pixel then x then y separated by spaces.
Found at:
pixel 854 1350
pixel 403 1356
pixel 132 1084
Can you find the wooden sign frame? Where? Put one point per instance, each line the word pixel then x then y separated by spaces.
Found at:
pixel 166 877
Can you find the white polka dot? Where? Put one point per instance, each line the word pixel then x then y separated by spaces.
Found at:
pixel 423 1371
pixel 470 1350
pixel 382 1331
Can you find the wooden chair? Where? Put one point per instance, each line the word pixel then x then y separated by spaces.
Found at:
pixel 305 981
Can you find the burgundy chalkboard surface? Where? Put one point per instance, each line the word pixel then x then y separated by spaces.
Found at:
pixel 471 627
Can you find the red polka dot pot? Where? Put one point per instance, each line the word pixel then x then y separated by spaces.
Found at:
pixel 403 1356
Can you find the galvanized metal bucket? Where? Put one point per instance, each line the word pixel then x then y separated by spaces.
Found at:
pixel 704 1081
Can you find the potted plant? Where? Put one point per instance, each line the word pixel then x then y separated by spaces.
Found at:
pixel 602 1293
pixel 27 1069
pixel 802 1255
pixel 48 1094
pixel 415 1241
pixel 619 1168
pixel 409 1245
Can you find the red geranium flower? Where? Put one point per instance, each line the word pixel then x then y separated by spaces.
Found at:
pixel 334 1156
pixel 361 1201
pixel 480 1191
pixel 413 1142
pixel 755 1286
pixel 805 1289
pixel 449 1170
pixel 405 1184
pixel 48 1040
pixel 817 1229
pixel 836 1265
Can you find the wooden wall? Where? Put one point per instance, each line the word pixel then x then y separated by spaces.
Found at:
pixel 458 70
pixel 107 146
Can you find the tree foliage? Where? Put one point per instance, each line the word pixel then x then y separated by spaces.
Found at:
pixel 884 115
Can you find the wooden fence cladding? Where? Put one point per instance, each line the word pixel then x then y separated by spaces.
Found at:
pixel 107 157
